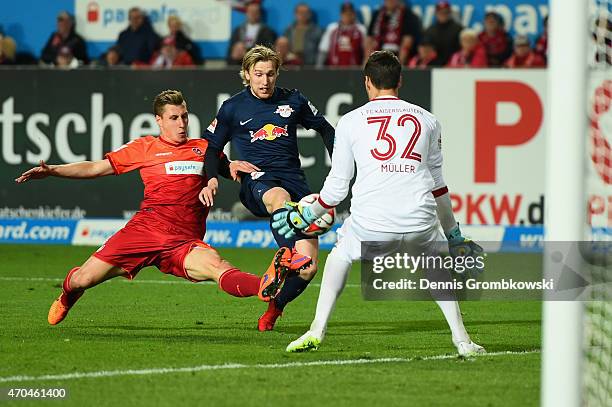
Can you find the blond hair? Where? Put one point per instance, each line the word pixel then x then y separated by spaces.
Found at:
pixel 259 53
pixel 468 33
pixel 175 18
pixel 167 97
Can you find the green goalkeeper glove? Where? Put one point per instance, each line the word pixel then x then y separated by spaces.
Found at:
pixel 459 246
pixel 293 220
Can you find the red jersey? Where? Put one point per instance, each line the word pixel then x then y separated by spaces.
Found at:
pixel 346 45
pixel 531 60
pixel 477 58
pixel 173 175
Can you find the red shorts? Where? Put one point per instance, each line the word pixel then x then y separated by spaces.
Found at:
pixel 147 241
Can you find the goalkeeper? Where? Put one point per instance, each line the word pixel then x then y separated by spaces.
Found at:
pixel 398 191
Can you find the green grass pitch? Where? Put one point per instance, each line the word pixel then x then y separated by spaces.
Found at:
pixel 147 324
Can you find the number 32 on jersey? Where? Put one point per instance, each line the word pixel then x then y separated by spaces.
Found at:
pixel 389 152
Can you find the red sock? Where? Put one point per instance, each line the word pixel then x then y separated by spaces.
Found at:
pixel 238 283
pixel 70 296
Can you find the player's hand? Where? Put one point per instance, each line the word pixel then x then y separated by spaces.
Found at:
pixel 459 246
pixel 208 192
pixel 294 219
pixel 241 166
pixel 40 172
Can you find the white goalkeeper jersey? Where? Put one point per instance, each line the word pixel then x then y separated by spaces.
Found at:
pixel 396 147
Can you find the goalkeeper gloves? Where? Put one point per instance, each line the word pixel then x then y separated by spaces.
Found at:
pixel 461 247
pixel 292 220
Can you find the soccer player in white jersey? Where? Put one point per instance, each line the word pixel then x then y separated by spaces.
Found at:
pixel 398 192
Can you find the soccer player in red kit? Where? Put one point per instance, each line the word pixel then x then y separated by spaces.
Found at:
pixel 168 229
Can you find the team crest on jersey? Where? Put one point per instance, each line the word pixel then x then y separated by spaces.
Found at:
pixel 284 110
pixel 212 126
pixel 197 151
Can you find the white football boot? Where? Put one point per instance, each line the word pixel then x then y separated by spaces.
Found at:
pixel 468 348
pixel 307 342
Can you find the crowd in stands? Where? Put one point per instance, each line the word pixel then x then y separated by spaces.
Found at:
pixel 347 42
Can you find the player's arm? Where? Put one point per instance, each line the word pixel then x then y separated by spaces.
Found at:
pixel 79 170
pixel 440 191
pixel 233 169
pixel 218 134
pixel 335 189
pixel 457 244
pixel 312 119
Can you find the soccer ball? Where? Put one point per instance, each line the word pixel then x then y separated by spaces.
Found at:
pixel 322 224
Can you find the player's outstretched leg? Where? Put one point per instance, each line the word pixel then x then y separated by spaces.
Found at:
pixel 296 282
pixel 296 263
pixel 334 279
pixel 60 307
pixel 202 262
pixel 92 272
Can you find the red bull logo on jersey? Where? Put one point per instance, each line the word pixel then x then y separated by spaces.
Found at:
pixel 268 132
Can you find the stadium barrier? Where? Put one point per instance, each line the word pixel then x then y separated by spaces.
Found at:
pixel 247 234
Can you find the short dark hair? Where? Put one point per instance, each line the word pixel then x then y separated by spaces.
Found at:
pixel 384 70
pixel 167 97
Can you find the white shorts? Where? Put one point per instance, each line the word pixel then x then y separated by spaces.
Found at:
pixel 350 238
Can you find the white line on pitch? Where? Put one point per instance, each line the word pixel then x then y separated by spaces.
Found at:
pixel 229 366
pixel 184 282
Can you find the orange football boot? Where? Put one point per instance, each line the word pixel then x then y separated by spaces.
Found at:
pixel 285 260
pixel 59 309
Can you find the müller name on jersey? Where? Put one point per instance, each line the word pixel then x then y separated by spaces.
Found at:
pixel 407 168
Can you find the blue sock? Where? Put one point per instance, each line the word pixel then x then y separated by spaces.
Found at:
pixel 293 287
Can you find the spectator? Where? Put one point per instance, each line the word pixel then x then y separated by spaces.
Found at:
pixel 343 42
pixel 169 56
pixel 175 27
pixel 541 46
pixel 444 33
pixel 472 54
pixel 112 57
pixel 64 36
pixel 250 33
pixel 8 49
pixel 138 41
pixel 238 51
pixel 495 39
pixel 426 55
pixel 65 59
pixel 283 49
pixel 304 35
pixel 524 56
pixel 396 28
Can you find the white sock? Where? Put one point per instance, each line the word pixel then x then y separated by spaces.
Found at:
pixel 452 313
pixel 334 279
